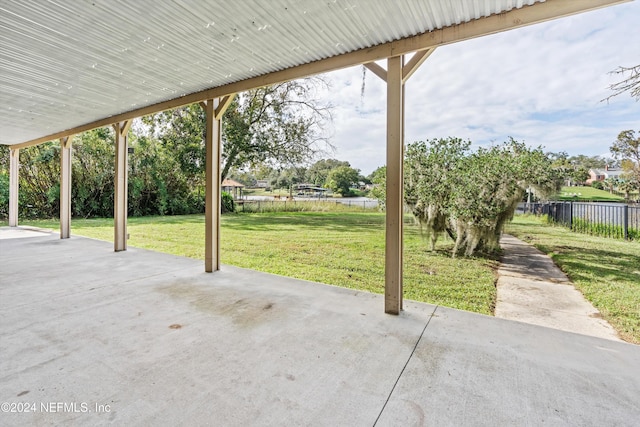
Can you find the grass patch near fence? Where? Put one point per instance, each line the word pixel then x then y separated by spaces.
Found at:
pixel 604 230
pixel 264 192
pixel 606 271
pixel 339 248
pixel 587 194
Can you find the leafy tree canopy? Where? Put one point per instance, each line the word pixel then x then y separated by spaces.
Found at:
pixel 341 179
pixel 282 125
pixel 575 169
pixel 319 171
pixel 627 149
pixel 471 195
pixel 379 180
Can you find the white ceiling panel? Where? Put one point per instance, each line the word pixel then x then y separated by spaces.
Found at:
pixel 66 63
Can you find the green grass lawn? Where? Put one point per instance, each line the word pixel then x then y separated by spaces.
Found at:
pixel 338 248
pixel 263 192
pixel 587 194
pixel 607 271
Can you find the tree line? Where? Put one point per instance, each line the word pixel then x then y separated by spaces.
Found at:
pixel 162 179
pixel 277 126
pixel 166 169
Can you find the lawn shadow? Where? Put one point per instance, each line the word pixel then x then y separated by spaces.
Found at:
pixel 602 263
pixel 283 221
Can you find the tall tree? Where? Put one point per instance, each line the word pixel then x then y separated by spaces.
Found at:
pixel 379 191
pixel 574 170
pixel 341 179
pixel 610 183
pixel 627 186
pixel 590 162
pixel 92 185
pixel 431 170
pixel 318 172
pixel 181 131
pixel 471 195
pixel 288 177
pixel 283 125
pixel 39 181
pixel 627 149
pixel 157 185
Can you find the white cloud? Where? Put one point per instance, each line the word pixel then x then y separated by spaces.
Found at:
pixel 542 84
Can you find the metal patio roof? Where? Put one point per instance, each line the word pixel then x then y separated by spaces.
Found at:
pixel 68 66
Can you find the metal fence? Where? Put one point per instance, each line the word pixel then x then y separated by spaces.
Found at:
pixel 615 220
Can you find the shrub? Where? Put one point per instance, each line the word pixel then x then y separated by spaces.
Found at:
pixel 228 205
pixel 4 195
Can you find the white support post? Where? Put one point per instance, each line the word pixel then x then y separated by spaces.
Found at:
pixel 214 109
pixel 396 75
pixel 212 188
pixel 65 187
pixel 14 165
pixel 120 187
pixel 394 202
pixel 402 127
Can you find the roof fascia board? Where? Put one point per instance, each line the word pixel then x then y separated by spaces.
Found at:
pixel 515 18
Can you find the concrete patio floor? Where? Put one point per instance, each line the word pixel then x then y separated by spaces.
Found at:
pixel 92 337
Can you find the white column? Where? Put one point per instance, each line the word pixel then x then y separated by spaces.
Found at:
pixel 394 198
pixel 14 164
pixel 120 187
pixel 65 187
pixel 213 135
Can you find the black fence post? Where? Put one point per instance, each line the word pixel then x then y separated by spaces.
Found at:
pixel 571 215
pixel 625 221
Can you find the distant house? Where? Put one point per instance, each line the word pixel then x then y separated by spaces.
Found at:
pixel 262 183
pixel 232 187
pixel 602 174
pixel 362 186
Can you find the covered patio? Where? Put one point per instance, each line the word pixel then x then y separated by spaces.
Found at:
pixel 69 70
pixel 95 333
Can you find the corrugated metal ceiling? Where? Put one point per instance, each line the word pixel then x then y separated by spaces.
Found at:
pixel 67 63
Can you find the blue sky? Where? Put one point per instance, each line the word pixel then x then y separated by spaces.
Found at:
pixel 540 84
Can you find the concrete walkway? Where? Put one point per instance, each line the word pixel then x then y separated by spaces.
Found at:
pixel 89 337
pixel 532 289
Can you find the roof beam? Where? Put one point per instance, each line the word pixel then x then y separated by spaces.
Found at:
pixel 516 18
pixel 224 103
pixel 407 70
pixel 415 62
pixel 377 70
